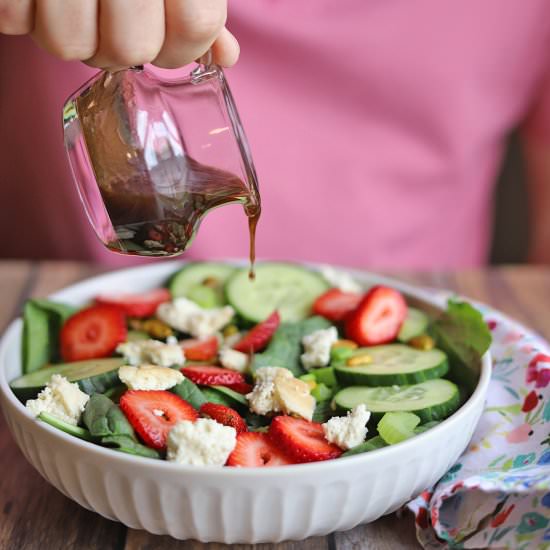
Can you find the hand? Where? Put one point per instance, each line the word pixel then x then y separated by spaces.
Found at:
pixel 113 34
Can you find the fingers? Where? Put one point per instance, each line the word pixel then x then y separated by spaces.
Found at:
pixel 192 26
pixel 68 30
pixel 16 16
pixel 131 32
pixel 225 50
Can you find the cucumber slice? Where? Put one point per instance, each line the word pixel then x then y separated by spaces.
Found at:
pixel 394 364
pixel 395 427
pixel 414 325
pixel 371 444
pixel 425 427
pixel 81 433
pixel 431 400
pixel 93 376
pixel 193 274
pixel 321 392
pixel 205 296
pixel 325 375
pixel 289 289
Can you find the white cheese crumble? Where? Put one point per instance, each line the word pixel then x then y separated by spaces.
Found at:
pixel 186 316
pixel 317 347
pixel 204 442
pixel 233 359
pixel 276 390
pixel 348 431
pixel 231 340
pixel 340 279
pixel 60 398
pixel 151 351
pixel 149 377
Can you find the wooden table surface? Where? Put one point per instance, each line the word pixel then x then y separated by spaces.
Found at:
pixel 35 515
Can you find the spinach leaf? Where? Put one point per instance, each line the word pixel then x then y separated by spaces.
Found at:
pixel 322 411
pixel 371 444
pixel 464 336
pixel 127 444
pixel 190 392
pixel 103 418
pixel 285 347
pixel 42 321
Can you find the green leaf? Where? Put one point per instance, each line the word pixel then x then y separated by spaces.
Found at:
pixel 103 418
pixel 322 412
pixel 190 392
pixel 464 336
pixel 285 347
pixel 372 444
pixel 127 444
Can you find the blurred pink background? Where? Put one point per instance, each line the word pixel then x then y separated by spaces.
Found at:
pixel 378 131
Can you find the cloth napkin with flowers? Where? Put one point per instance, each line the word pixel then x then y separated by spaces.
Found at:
pixel 498 493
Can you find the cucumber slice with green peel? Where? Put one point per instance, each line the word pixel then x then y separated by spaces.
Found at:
pixel 415 324
pixel 394 364
pixel 81 433
pixel 196 273
pixel 92 375
pixel 371 444
pixel 430 400
pixel 289 289
pixel 395 427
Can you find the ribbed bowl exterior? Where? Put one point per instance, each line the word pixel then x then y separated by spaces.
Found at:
pixel 236 505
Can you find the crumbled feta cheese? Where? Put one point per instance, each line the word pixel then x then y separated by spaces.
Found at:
pixel 317 347
pixel 60 398
pixel 348 431
pixel 171 340
pixel 204 442
pixel 231 340
pixel 152 351
pixel 340 279
pixel 149 377
pixel 276 390
pixel 233 359
pixel 186 316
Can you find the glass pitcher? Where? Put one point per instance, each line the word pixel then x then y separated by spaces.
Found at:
pixel 151 157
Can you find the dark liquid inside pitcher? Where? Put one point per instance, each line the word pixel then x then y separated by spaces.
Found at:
pixel 154 193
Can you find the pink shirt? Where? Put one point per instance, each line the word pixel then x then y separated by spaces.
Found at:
pixel 377 130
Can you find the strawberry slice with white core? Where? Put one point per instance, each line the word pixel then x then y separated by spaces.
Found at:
pixel 92 333
pixel 260 335
pixel 302 440
pixel 335 304
pixel 154 413
pixel 208 375
pixel 200 350
pixel 378 317
pixel 139 305
pixel 257 450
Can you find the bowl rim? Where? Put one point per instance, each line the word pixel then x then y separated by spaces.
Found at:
pixel 14 331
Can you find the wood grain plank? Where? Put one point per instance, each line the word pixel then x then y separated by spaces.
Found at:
pixel 34 515
pixel 141 540
pixel 387 533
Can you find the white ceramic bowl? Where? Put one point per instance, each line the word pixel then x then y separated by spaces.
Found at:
pixel 228 504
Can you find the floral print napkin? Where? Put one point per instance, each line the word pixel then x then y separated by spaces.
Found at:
pixel 498 493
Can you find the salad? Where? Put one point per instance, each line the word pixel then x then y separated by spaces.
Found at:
pixel 214 369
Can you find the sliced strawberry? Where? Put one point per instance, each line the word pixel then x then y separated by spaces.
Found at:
pixel 378 317
pixel 200 350
pixel 259 336
pixel 207 375
pixel 303 441
pixel 224 415
pixel 335 304
pixel 241 387
pixel 91 333
pixel 153 413
pixel 257 450
pixel 140 305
